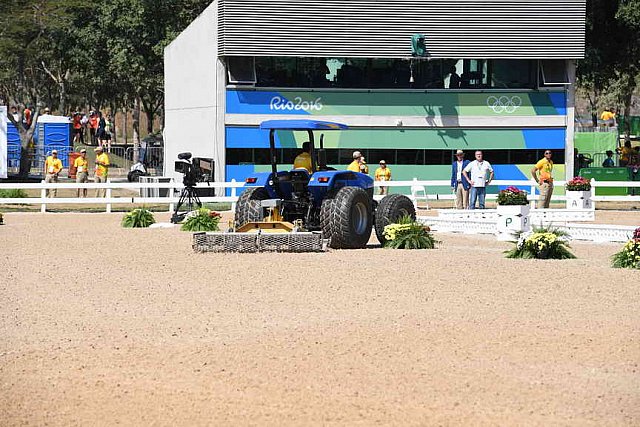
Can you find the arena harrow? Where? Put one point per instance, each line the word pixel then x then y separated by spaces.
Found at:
pixel 259 242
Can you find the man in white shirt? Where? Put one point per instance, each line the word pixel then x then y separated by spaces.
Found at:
pixel 479 169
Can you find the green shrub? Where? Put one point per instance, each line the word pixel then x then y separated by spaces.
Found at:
pixel 202 220
pixel 138 218
pixel 13 194
pixel 406 233
pixel 542 243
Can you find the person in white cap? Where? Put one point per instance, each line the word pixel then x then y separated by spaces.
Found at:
pixel 52 166
pixel 102 170
pixel 383 173
pixel 82 171
pixel 355 165
pixel 363 166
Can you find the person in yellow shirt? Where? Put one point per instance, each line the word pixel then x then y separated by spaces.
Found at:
pixel 102 170
pixel 355 165
pixel 52 166
pixel 303 160
pixel 545 179
pixel 383 173
pixel 608 116
pixel 82 171
pixel 625 153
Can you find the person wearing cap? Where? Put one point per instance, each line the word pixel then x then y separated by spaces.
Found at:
pixel 459 183
pixel 102 170
pixel 52 166
pixel 383 173
pixel 545 180
pixel 82 171
pixel 355 165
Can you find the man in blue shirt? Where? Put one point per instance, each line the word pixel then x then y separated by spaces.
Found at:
pixel 459 183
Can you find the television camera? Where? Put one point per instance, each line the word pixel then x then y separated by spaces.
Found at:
pixel 195 170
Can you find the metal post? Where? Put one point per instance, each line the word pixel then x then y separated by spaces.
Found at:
pixel 43 196
pixel 233 194
pixel 171 194
pixel 533 196
pixel 108 194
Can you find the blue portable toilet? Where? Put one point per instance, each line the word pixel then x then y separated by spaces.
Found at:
pixel 13 146
pixel 53 133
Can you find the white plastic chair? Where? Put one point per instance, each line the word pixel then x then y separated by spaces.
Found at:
pixel 419 192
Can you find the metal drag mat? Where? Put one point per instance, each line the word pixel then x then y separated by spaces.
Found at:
pixel 258 242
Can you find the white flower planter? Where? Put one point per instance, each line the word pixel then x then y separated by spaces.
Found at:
pixel 579 200
pixel 512 220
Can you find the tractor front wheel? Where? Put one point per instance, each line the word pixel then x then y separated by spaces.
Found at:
pixel 347 218
pixel 248 208
pixel 390 209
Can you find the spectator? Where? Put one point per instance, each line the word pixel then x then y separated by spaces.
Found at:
pixel 46 111
pixel 625 153
pixel 15 114
pixel 142 151
pixel 581 161
pixel 608 162
pixel 102 170
pixel 545 178
pixel 479 170
pixel 77 128
pixel 363 166
pixel 52 166
pixel 454 78
pixel 84 122
pixel 459 184
pixel 104 131
pixel 302 160
pixel 383 174
pixel 82 171
pixel 27 118
pixel 608 117
pixel 355 165
pixel 93 127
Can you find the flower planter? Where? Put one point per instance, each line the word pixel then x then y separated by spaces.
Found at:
pixel 579 200
pixel 512 220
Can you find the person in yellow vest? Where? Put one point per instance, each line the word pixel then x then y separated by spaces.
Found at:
pixel 545 180
pixel 52 166
pixel 608 116
pixel 355 165
pixel 383 173
pixel 303 160
pixel 102 170
pixel 82 171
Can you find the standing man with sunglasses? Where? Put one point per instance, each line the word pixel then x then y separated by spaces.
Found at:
pixel 545 179
pixel 481 175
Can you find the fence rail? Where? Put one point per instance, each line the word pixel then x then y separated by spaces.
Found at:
pixel 420 190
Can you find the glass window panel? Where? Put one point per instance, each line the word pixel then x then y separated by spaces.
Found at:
pixel 239 156
pixel 375 155
pixel 352 74
pixel 241 69
pixel 511 73
pixel 554 72
pixel 410 157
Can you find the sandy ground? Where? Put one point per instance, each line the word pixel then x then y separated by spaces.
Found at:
pixel 106 326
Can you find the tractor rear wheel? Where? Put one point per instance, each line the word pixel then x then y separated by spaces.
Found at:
pixel 248 207
pixel 347 218
pixel 390 209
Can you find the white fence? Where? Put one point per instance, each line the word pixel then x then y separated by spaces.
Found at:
pixel 420 191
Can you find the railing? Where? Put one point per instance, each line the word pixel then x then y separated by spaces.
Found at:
pixel 419 191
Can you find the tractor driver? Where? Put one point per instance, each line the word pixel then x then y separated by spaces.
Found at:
pixel 303 160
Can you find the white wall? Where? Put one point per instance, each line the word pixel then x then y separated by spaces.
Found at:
pixel 194 107
pixel 3 142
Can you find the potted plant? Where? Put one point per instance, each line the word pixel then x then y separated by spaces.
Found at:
pixel 201 220
pixel 578 191
pixel 406 233
pixel 542 243
pixel 513 213
pixel 629 256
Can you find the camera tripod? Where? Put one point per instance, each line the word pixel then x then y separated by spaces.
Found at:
pixel 188 196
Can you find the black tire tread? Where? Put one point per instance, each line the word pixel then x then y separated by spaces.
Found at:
pixel 335 218
pixel 248 207
pixel 391 208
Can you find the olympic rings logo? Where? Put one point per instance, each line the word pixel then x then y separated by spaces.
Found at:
pixel 504 104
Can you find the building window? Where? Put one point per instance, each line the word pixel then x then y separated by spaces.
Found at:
pixel 554 72
pixel 512 74
pixel 241 70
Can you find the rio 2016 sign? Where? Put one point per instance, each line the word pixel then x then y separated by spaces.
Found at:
pixel 279 103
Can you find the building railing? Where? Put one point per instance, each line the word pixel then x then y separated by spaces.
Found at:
pixel 420 191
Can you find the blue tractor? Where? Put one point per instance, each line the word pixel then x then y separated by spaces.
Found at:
pixel 338 203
